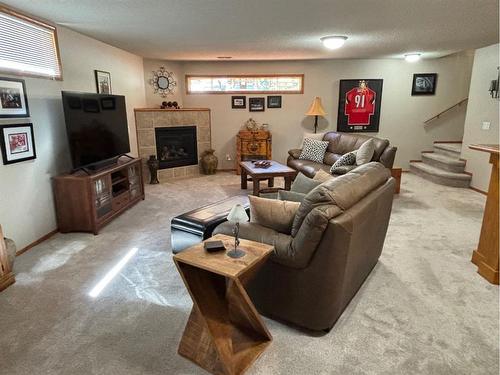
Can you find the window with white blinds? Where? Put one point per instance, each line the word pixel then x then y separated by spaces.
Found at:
pixel 28 47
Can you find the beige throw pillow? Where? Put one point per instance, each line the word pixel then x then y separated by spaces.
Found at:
pixel 272 213
pixel 322 176
pixel 364 154
pixel 315 136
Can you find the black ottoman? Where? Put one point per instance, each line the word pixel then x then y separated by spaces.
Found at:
pixel 197 225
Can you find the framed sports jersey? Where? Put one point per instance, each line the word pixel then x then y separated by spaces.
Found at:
pixel 359 105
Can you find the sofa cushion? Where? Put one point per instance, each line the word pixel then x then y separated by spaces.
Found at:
pixel 273 213
pixel 343 191
pixel 347 159
pixel 315 136
pixel 307 167
pixel 322 176
pixel 342 143
pixel 364 154
pixel 313 150
pixel 330 158
pixel 292 196
pixel 303 184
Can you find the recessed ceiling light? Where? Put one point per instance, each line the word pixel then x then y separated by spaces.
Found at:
pixel 333 42
pixel 412 57
pixel 224 57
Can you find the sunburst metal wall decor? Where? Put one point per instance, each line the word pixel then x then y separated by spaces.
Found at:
pixel 163 82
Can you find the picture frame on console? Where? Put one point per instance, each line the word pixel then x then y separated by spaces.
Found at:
pixel 103 82
pixel 238 102
pixel 13 98
pixel 17 142
pixel 256 105
pixel 359 105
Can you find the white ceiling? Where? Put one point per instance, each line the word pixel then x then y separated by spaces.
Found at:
pixel 276 29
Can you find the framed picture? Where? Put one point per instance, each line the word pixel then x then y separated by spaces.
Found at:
pixel 103 82
pixel 274 101
pixel 238 102
pixel 17 142
pixel 256 104
pixel 359 105
pixel 13 99
pixel 424 84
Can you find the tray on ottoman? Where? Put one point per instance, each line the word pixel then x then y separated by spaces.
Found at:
pixel 197 225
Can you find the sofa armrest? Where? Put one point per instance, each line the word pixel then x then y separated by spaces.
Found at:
pixel 388 156
pixel 295 153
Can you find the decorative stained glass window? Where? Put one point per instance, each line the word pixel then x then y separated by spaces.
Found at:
pixel 245 84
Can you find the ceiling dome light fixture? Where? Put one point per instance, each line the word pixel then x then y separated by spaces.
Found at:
pixel 333 42
pixel 412 57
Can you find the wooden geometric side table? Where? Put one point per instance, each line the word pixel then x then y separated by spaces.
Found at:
pixel 396 173
pixel 224 334
pixel 6 275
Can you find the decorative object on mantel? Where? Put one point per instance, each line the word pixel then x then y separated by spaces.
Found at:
pixel 251 124
pixel 170 105
pixel 163 82
pixel 253 145
pixel 6 274
pixel 209 162
pixel 316 109
pixel 103 82
pixel 17 143
pixel 359 105
pixel 153 165
pixel 424 84
pixel 494 85
pixel 13 98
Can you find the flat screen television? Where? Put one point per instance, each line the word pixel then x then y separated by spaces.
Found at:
pixel 97 127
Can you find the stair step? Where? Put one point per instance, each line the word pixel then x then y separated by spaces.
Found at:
pixel 440 176
pixel 452 150
pixel 443 162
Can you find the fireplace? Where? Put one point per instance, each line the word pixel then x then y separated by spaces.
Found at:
pixel 176 146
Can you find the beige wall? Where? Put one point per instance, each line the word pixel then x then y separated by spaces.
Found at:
pixel 153 99
pixel 481 108
pixel 402 115
pixel 26 203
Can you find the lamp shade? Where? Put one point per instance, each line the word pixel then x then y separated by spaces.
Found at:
pixel 316 108
pixel 237 214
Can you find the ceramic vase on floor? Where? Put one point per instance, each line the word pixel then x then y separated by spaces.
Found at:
pixel 209 162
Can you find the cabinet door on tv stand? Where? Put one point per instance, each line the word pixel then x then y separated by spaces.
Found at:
pixel 135 181
pixel 102 196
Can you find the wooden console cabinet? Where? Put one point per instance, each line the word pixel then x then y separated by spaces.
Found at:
pixel 6 275
pixel 253 145
pixel 85 203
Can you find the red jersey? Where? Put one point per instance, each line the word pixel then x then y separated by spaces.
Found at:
pixel 359 106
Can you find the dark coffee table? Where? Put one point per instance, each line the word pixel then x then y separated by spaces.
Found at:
pixel 248 170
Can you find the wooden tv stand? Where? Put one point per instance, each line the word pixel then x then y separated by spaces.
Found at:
pixel 86 203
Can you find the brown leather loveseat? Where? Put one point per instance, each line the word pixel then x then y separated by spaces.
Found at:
pixel 336 239
pixel 340 144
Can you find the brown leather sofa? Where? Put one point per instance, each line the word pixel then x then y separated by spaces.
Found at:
pixel 336 239
pixel 340 144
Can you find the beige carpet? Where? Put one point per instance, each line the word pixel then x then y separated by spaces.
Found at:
pixel 423 310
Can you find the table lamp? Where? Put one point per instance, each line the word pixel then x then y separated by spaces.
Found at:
pixel 237 215
pixel 316 109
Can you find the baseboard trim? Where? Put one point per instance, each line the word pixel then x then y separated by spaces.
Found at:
pixel 39 241
pixel 478 190
pixel 447 141
pixel 416 161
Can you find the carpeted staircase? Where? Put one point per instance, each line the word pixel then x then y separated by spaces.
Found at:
pixel 443 165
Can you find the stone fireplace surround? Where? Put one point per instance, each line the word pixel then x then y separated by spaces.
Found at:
pixel 147 119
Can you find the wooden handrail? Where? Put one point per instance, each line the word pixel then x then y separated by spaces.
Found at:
pixel 446 110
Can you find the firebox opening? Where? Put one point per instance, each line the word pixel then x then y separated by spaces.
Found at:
pixel 176 146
